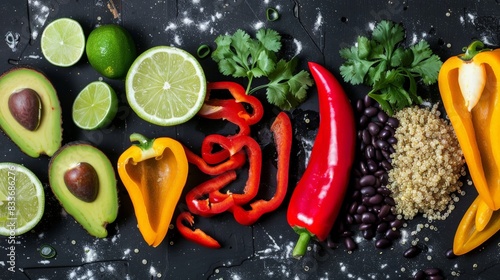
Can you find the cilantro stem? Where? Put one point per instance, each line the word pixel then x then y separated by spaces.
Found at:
pixel 249 85
pixel 257 88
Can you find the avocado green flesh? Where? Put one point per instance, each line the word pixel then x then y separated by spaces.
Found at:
pixel 95 215
pixel 47 138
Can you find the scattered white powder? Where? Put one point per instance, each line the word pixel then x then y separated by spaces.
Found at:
pixel 171 26
pixel 203 26
pixel 152 271
pixel 319 21
pixel 40 13
pixel 90 254
pixel 126 253
pixel 298 46
pixel 258 25
pixel 177 40
pixel 187 21
pixel 12 39
pixel 235 276
pixel 44 262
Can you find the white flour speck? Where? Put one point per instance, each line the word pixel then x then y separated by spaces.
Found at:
pixel 171 26
pixel 177 40
pixel 298 46
pixel 90 254
pixel 235 276
pixel 187 21
pixel 12 39
pixel 258 25
pixel 152 271
pixel 126 252
pixel 319 21
pixel 203 26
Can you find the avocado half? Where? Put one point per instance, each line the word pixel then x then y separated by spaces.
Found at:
pixel 46 136
pixel 94 212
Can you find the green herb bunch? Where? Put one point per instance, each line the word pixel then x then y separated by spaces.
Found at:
pixel 392 70
pixel 241 56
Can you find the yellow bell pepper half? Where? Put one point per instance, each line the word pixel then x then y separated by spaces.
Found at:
pixel 154 172
pixel 476 126
pixel 470 90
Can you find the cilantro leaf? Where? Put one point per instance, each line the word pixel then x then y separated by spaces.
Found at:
pixel 241 56
pixel 285 89
pixel 425 63
pixel 392 70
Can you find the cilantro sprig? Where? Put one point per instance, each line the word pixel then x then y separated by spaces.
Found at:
pixel 241 56
pixel 392 70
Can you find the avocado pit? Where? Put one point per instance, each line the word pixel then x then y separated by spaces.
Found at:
pixel 26 108
pixel 82 181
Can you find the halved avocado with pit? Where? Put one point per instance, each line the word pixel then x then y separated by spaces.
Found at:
pixel 83 180
pixel 30 112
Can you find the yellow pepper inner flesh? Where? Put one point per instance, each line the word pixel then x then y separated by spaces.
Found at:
pixel 472 80
pixel 154 176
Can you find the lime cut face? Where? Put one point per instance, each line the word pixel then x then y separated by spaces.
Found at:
pixel 165 86
pixel 63 42
pixel 22 199
pixel 95 106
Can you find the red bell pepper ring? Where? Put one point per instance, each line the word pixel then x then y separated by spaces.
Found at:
pixel 231 110
pixel 240 96
pixel 196 235
pixel 234 162
pixel 317 198
pixel 226 109
pixel 282 132
pixel 197 199
pixel 252 148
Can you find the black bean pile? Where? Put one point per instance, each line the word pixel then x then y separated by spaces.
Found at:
pixel 370 205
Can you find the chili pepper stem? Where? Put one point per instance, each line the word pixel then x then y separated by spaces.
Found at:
pixel 301 247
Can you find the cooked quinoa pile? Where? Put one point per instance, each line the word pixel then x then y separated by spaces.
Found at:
pixel 427 164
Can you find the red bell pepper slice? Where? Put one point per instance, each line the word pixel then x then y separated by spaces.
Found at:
pixel 226 109
pixel 240 96
pixel 252 148
pixel 231 110
pixel 234 162
pixel 197 198
pixel 282 132
pixel 196 235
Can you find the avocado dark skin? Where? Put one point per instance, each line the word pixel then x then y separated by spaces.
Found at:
pixel 30 112
pixel 83 180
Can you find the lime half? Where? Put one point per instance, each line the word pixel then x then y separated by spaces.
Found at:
pixel 63 42
pixel 165 86
pixel 95 106
pixel 22 199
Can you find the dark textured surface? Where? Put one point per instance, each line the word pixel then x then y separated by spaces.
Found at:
pixel 312 30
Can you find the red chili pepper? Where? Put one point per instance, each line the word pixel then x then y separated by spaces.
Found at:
pixel 231 110
pixel 252 148
pixel 234 162
pixel 197 198
pixel 195 235
pixel 317 198
pixel 282 132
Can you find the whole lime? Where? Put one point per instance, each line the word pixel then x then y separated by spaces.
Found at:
pixel 110 50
